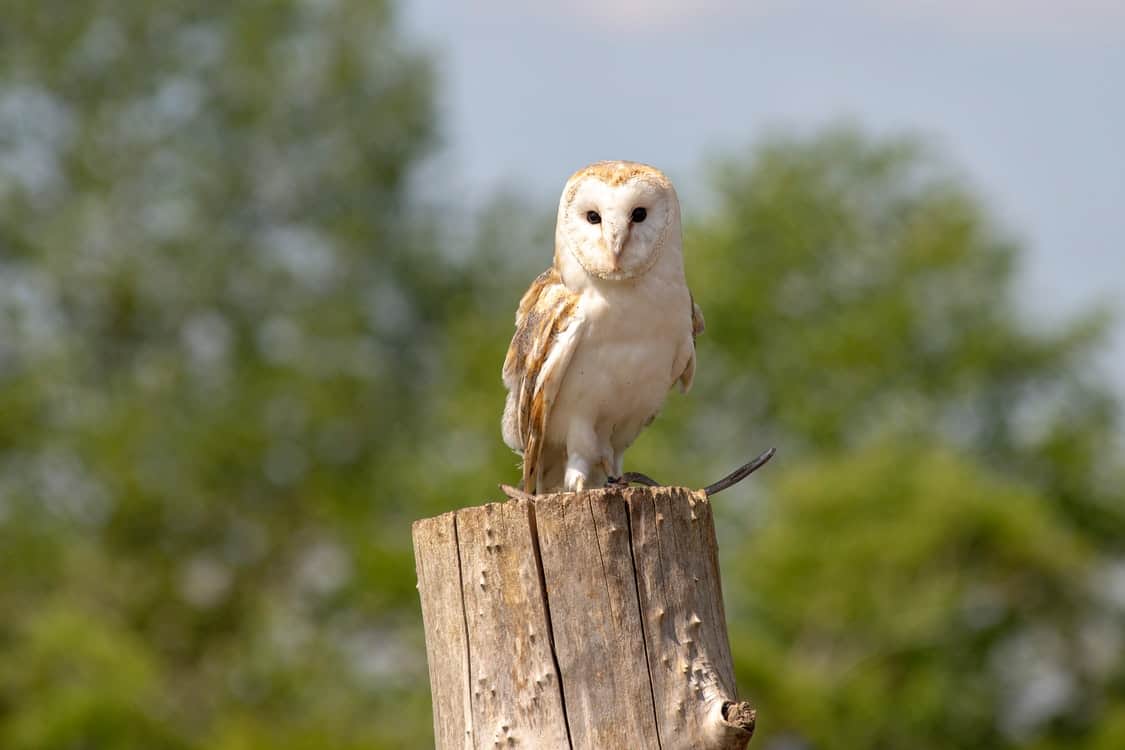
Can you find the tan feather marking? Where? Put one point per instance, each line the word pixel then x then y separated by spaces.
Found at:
pixel 617 173
pixel 538 409
pixel 539 348
pixel 534 363
pixel 535 444
pixel 524 336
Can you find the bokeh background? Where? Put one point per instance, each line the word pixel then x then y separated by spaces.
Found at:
pixel 258 268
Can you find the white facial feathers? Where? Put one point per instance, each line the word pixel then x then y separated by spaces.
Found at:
pixel 615 219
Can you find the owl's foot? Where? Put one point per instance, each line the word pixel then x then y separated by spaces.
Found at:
pixel 736 476
pixel 632 477
pixel 635 477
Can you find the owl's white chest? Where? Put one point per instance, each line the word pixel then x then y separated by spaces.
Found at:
pixel 635 342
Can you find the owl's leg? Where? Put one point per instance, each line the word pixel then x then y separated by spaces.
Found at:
pixel 582 474
pixel 617 464
pixel 597 477
pixel 613 464
pixel 581 455
pixel 577 471
pixel 615 454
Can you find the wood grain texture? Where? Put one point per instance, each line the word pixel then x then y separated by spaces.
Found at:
pixel 579 620
pixel 515 691
pixel 690 666
pixel 588 567
pixel 447 648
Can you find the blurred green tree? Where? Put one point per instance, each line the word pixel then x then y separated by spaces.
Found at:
pixel 239 353
pixel 219 314
pixel 936 563
pixel 899 596
pixel 876 297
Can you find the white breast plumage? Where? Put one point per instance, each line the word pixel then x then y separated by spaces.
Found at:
pixel 603 334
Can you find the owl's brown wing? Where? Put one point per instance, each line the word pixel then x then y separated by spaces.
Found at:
pixel 548 326
pixel 697 327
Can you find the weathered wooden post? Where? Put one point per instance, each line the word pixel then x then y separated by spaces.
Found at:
pixel 579 620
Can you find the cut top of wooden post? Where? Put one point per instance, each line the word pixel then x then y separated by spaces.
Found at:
pixel 579 620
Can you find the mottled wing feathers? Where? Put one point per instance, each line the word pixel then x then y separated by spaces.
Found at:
pixel 697 327
pixel 547 332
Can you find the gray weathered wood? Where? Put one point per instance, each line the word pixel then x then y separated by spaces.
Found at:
pixel 447 651
pixel 690 664
pixel 515 690
pixel 588 567
pixel 588 620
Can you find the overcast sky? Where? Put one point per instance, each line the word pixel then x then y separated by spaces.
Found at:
pixel 1027 96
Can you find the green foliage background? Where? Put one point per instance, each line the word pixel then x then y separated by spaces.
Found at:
pixel 239 353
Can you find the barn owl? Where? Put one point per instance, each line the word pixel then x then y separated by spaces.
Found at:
pixel 604 333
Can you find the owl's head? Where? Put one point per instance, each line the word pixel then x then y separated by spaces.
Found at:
pixel 615 219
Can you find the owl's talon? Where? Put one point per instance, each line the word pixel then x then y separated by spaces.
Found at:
pixel 632 477
pixel 636 477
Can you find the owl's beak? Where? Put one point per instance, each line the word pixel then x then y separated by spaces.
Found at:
pixel 616 236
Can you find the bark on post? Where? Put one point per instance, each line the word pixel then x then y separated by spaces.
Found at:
pixel 579 620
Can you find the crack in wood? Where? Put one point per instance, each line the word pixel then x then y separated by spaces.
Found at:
pixel 532 527
pixel 641 618
pixel 465 625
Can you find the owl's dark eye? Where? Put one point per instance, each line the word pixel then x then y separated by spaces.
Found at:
pixel 638 215
pixel 593 217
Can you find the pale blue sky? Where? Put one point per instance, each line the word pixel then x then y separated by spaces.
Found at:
pixel 1028 97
